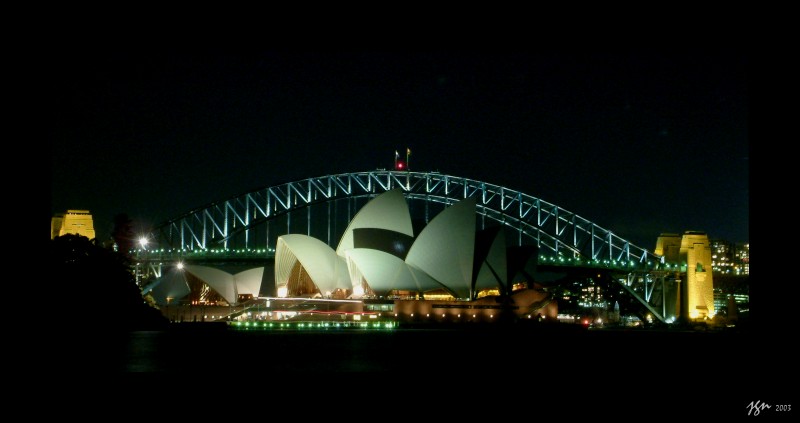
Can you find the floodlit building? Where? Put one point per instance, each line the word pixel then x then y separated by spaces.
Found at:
pixel 77 222
pixel 378 256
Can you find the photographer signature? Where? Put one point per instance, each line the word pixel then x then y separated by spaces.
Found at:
pixel 755 407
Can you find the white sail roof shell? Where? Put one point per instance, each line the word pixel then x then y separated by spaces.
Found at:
pixel 249 281
pixel 445 248
pixel 386 211
pixel 219 280
pixel 385 272
pixel 326 269
pixel 496 259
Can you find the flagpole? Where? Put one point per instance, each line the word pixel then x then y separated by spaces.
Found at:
pixel 396 156
pixel 408 155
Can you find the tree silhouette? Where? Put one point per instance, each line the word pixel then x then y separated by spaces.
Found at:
pixel 123 233
pixel 102 283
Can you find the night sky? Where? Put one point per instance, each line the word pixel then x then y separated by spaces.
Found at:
pixel 638 143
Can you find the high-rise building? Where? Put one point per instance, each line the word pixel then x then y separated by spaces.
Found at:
pixel 730 258
pixel 742 259
pixel 592 296
pixel 77 222
pixel 722 259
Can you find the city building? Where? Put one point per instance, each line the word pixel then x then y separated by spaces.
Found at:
pixel 730 258
pixel 78 222
pixel 724 300
pixel 742 259
pixel 722 256
pixel 592 296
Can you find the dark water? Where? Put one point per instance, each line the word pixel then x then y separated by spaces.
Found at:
pixel 350 350
pixel 211 350
pixel 532 365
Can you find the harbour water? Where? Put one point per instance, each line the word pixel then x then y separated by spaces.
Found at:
pixel 203 348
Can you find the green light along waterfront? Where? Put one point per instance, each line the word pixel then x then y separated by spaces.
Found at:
pixel 306 326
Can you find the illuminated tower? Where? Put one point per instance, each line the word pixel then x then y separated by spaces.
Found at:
pixel 669 246
pixel 77 222
pixel 698 291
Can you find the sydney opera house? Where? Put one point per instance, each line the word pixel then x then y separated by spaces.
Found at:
pixel 448 271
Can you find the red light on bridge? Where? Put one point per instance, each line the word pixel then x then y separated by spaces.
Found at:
pixel 400 166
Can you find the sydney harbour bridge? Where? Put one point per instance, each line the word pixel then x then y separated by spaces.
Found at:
pixel 242 230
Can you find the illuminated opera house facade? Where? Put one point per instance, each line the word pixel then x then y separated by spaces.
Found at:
pixel 449 271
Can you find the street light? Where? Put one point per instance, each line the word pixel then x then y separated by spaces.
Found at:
pixel 140 256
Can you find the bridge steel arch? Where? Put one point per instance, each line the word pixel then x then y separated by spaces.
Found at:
pixel 536 221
